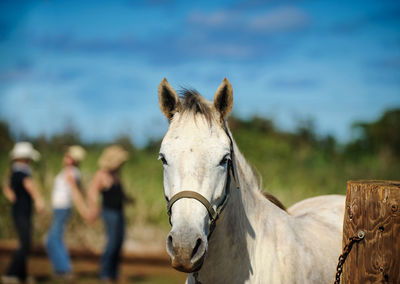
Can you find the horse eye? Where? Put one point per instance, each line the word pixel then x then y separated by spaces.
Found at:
pixel 162 158
pixel 224 160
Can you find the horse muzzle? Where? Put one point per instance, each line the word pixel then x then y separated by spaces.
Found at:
pixel 187 250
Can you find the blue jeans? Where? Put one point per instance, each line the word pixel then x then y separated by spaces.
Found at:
pixel 114 225
pixel 55 247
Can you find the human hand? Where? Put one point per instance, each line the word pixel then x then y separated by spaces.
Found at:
pixel 9 194
pixel 91 216
pixel 39 206
pixel 130 200
pixel 11 197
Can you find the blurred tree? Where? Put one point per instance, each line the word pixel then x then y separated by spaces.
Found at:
pixel 380 136
pixel 69 136
pixel 126 142
pixel 328 145
pixel 234 122
pixel 256 123
pixel 153 145
pixel 6 140
pixel 305 132
pixel 263 125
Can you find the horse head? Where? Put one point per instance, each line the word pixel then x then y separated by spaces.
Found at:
pixel 196 153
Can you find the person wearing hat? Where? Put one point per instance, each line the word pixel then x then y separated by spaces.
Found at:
pixel 21 191
pixel 66 190
pixel 107 183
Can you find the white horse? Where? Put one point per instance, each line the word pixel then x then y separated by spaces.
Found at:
pixel 254 241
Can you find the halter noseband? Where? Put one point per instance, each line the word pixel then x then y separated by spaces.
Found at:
pixel 214 214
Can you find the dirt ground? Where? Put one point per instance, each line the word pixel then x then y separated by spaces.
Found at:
pixel 143 268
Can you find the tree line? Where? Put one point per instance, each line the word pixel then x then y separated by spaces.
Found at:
pixel 378 137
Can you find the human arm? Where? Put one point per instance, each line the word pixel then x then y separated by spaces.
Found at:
pixel 31 188
pixel 77 196
pixel 93 195
pixel 129 199
pixel 8 192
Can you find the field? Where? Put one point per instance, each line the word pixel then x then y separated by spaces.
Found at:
pixel 293 166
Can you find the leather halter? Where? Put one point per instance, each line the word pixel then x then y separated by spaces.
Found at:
pixel 213 214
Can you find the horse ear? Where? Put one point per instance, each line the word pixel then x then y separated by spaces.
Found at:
pixel 223 99
pixel 168 99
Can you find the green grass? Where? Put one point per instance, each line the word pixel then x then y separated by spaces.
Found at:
pixel 291 168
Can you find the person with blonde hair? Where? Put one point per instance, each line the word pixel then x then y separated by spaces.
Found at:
pixel 21 191
pixel 66 191
pixel 107 182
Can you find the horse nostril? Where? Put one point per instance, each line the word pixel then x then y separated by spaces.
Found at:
pixel 170 246
pixel 196 247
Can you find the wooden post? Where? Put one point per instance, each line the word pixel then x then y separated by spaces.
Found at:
pixel 374 207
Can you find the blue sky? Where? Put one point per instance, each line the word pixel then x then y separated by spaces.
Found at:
pixel 96 65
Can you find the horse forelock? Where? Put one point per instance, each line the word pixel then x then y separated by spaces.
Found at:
pixel 193 102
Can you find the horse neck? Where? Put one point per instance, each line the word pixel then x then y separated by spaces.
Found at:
pixel 247 215
pixel 256 207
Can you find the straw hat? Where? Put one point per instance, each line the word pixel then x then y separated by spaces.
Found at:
pixel 24 150
pixel 76 152
pixel 112 157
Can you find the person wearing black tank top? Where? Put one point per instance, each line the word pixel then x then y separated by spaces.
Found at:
pixel 107 183
pixel 21 191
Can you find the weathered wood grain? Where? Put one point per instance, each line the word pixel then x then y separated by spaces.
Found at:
pixel 374 207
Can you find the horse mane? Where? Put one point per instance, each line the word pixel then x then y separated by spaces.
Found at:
pixel 274 200
pixel 192 101
pixel 267 195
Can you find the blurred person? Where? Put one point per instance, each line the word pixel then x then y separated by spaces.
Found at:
pixel 107 182
pixel 21 191
pixel 66 190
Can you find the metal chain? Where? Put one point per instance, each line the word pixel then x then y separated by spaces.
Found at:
pixel 346 250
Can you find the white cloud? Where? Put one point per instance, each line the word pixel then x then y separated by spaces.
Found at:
pixel 218 19
pixel 280 19
pixel 285 18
